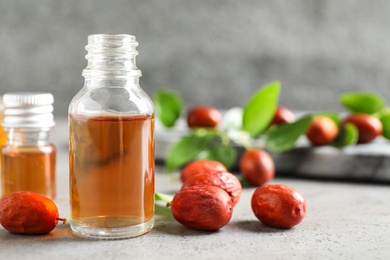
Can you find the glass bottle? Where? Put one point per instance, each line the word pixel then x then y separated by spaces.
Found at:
pixel 111 149
pixel 28 158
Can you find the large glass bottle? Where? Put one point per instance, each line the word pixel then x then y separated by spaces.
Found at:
pixel 28 157
pixel 111 153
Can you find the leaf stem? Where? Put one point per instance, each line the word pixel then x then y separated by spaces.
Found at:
pixel 64 220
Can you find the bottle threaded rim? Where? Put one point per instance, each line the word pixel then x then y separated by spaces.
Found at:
pixel 111 55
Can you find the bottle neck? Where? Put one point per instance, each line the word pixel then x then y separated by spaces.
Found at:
pixel 111 57
pixel 111 82
pixel 27 137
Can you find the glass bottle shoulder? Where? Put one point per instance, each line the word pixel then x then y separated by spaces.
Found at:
pixel 111 101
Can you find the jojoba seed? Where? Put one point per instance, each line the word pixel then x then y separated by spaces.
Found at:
pixel 283 116
pixel 222 179
pixel 322 131
pixel 257 167
pixel 278 205
pixel 203 116
pixel 202 207
pixel 200 166
pixel 369 127
pixel 25 212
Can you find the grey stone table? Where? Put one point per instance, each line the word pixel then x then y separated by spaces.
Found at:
pixel 345 220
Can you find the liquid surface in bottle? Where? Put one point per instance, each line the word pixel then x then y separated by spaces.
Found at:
pixel 29 168
pixel 111 170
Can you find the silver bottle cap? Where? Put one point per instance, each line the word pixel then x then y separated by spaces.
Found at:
pixel 28 109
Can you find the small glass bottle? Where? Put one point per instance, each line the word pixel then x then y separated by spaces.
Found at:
pixel 28 158
pixel 111 156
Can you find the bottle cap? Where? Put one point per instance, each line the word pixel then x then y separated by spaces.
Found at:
pixel 28 109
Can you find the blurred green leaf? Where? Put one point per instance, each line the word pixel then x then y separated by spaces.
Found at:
pixel 185 150
pixel 348 135
pixel 168 107
pixel 224 153
pixel 163 211
pixel 260 109
pixel 361 102
pixel 283 138
pixel 385 119
pixel 163 197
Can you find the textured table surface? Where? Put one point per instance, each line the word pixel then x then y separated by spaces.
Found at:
pixel 343 221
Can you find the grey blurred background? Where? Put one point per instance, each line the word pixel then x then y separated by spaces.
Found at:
pixel 210 52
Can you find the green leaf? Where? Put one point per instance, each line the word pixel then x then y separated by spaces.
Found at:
pixel 168 107
pixel 283 138
pixel 163 197
pixel 385 119
pixel 348 135
pixel 260 109
pixel 186 149
pixel 163 211
pixel 221 152
pixel 361 102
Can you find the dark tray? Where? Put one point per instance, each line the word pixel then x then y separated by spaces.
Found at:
pixel 363 162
